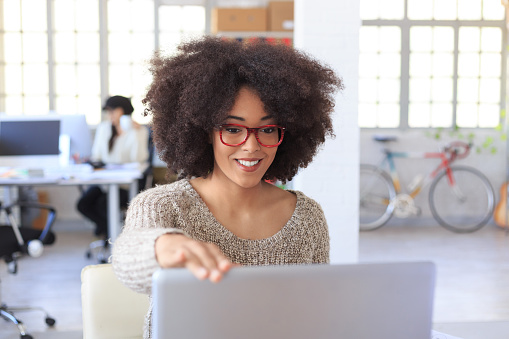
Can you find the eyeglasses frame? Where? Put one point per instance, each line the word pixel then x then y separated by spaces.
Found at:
pixel 249 131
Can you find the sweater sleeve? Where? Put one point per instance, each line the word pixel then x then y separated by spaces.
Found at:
pixel 133 259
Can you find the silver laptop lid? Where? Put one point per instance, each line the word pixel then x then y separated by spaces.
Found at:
pixel 356 301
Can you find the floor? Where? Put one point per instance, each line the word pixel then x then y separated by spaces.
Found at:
pixel 472 292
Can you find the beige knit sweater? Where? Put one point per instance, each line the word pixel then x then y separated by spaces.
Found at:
pixel 177 207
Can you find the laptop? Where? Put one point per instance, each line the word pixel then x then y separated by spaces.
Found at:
pixel 352 301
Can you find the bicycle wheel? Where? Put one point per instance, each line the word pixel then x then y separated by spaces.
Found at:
pixel 376 193
pixel 465 206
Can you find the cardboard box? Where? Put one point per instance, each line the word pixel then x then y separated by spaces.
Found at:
pixel 239 19
pixel 280 16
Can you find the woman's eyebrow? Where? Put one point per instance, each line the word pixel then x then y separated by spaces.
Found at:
pixel 267 117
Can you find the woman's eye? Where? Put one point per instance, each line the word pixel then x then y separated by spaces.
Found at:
pixel 268 130
pixel 232 130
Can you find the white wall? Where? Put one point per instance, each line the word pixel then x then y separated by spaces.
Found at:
pixel 329 30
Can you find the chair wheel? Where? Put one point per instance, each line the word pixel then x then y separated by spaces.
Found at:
pixel 26 336
pixel 50 321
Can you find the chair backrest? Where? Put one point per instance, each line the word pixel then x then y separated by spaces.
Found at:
pixel 110 309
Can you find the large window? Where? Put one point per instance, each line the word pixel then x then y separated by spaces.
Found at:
pixel 67 56
pixel 431 63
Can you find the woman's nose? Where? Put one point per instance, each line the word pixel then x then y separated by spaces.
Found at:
pixel 251 144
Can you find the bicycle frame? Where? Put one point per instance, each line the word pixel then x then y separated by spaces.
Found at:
pixel 445 163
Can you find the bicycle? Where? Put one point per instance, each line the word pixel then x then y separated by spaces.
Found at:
pixel 461 189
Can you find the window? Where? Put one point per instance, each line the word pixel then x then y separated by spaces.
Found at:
pixel 67 56
pixel 426 64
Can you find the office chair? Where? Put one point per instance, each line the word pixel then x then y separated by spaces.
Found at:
pixel 16 242
pixel 110 309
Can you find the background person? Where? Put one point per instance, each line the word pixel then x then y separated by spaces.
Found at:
pixel 227 117
pixel 119 140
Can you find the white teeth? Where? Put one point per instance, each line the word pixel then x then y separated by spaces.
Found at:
pixel 248 163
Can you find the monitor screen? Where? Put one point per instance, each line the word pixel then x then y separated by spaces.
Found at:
pixel 75 126
pixel 29 137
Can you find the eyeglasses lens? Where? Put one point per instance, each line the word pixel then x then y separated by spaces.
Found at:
pixel 234 135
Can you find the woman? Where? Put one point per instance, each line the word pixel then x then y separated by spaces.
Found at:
pixel 228 117
pixel 118 140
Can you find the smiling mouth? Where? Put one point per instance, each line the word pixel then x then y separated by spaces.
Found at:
pixel 248 163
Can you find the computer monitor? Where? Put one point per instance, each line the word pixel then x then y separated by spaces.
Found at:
pixel 30 137
pixel 78 131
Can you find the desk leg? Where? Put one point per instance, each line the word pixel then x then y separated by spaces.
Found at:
pixel 113 212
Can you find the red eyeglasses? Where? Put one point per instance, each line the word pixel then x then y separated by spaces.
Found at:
pixel 236 135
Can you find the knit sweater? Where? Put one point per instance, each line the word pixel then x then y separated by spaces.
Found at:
pixel 178 208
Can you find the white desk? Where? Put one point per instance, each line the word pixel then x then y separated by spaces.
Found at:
pixel 111 178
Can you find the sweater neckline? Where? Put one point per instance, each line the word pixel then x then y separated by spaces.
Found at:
pixel 249 244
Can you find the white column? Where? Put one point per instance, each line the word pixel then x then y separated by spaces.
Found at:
pixel 329 30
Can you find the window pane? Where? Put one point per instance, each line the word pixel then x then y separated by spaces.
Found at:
pixel 441 89
pixel 170 18
pixel 420 89
pixel 87 46
pixel 468 90
pixel 466 115
pixel 35 80
pixel 420 10
pixel 368 65
pixel 368 90
pixel 443 39
pixel 142 15
pixel 65 79
pixel 91 107
pixel 64 15
pixel 469 9
pixel 419 115
pixel 367 115
pixel 444 10
pixel 194 18
pixel 37 105
pixel 142 46
pixel 14 105
pixel 119 48
pixel 12 15
pixel 12 50
pixel 88 18
pixel 388 115
pixel 468 64
pixel 390 39
pixel 441 115
pixel 13 79
pixel 390 65
pixel 368 39
pixel 388 90
pixel 89 82
pixel 119 15
pixel 420 64
pixel 490 65
pixel 489 115
pixel 421 39
pixel 489 91
pixel 120 79
pixel 492 10
pixel 33 15
pixel 469 39
pixel 66 104
pixel 392 9
pixel 35 47
pixel 168 42
pixel 491 39
pixel 65 50
pixel 442 64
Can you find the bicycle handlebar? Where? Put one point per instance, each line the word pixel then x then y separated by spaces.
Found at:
pixel 457 150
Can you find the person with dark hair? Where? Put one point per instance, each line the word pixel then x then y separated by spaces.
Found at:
pixel 118 140
pixel 228 117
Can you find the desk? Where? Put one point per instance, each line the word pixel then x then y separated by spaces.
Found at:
pixel 112 178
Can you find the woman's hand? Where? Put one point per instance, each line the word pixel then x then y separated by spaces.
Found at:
pixel 204 260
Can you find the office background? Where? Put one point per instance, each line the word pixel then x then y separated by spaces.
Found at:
pixel 405 64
